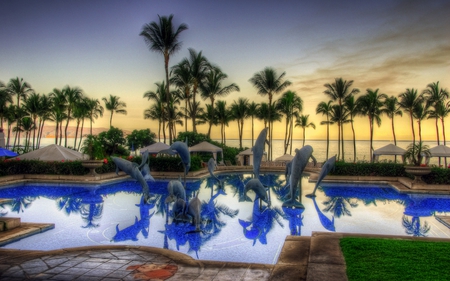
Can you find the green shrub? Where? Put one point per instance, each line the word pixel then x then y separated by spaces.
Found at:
pixel 437 176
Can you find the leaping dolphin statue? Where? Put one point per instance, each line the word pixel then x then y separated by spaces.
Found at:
pixel 194 210
pixel 326 168
pixel 258 151
pixel 212 165
pixel 132 169
pixel 298 165
pixel 176 190
pixel 258 188
pixel 183 150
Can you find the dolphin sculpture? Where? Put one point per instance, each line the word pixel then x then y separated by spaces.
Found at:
pixel 326 168
pixel 176 190
pixel 132 169
pixel 146 173
pixel 258 151
pixel 194 210
pixel 212 165
pixel 298 165
pixel 324 220
pixel 182 149
pixel 258 188
pixel 179 211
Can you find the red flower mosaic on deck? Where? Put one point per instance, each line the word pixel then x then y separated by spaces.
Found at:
pixel 151 271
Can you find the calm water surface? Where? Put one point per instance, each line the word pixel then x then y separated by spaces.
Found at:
pixel 232 229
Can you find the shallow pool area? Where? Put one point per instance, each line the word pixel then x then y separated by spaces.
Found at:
pixel 232 229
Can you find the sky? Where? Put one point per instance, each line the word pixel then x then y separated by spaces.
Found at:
pixel 95 45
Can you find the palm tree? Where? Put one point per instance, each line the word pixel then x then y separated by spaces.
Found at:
pixel 212 88
pixel 21 89
pixel 421 112
pixel 199 67
pixel 391 108
pixel 223 118
pixel 181 77
pixel 27 126
pixel 239 113
pixel 196 111
pixel 95 110
pixel 5 99
pixel 114 105
pixel 339 116
pixel 352 109
pixel 325 109
pixel 155 113
pixel 173 114
pixel 73 95
pixel 267 82
pixel 407 102
pixel 252 111
pixel 370 105
pixel 80 112
pixel 339 91
pixel 32 106
pixel 163 37
pixel 302 121
pixel 435 96
pixel 10 117
pixel 45 109
pixel 59 104
pixel 290 104
pixel 159 97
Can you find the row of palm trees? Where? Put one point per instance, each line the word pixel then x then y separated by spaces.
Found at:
pixel 26 111
pixel 431 103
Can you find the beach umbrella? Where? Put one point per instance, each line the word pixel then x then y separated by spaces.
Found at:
pixel 7 153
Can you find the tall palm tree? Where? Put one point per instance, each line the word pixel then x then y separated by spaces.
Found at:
pixel 45 109
pixel 392 108
pixel 173 114
pixel 435 97
pixel 239 113
pixel 252 111
pixel 5 99
pixel 182 78
pixel 114 105
pixel 352 109
pixel 196 111
pixel 339 91
pixel 163 37
pixel 325 109
pixel 267 82
pixel 303 122
pixel 19 88
pixel 289 104
pixel 212 88
pixel 223 118
pixel 80 112
pixel 158 97
pixel 155 113
pixel 339 116
pixel 33 107
pixel 421 112
pixel 407 102
pixel 370 105
pixel 27 126
pixel 199 67
pixel 59 103
pixel 73 95
pixel 95 110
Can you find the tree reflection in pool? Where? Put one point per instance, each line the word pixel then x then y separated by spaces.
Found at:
pixel 233 228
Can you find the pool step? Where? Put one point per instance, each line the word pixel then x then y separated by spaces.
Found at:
pixel 9 223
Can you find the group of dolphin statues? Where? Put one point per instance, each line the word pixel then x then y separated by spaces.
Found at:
pixel 185 210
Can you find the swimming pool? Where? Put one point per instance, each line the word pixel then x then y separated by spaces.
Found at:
pixel 233 230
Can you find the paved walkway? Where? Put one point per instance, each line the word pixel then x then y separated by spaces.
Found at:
pixel 302 258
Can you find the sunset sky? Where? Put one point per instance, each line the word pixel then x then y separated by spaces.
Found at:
pixel 95 45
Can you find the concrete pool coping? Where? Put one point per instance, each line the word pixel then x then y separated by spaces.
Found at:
pixel 318 257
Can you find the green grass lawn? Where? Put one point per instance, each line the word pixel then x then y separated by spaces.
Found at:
pixel 389 259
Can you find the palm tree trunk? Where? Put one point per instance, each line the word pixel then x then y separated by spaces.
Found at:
pixel 65 129
pixel 328 137
pixel 443 133
pixel 354 142
pixel 286 136
pixel 291 132
pixel 393 134
pixel 339 140
pixel 304 134
pixel 56 132
pixel 34 132
pixel 76 134
pixel 412 127
pixel 81 134
pixel 371 138
pixel 253 136
pixel 342 136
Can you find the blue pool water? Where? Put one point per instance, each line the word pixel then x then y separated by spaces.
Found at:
pixel 233 230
